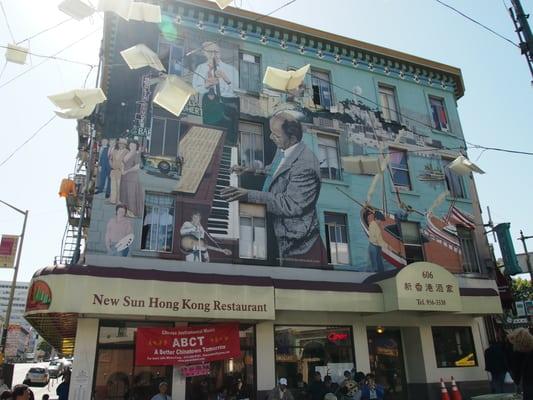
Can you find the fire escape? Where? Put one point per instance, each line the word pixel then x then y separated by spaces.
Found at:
pixel 79 197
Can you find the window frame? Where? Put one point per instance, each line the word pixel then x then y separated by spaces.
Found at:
pixel 419 245
pixel 252 217
pixel 337 152
pixel 262 139
pixel 394 95
pixel 320 93
pixel 439 354
pixel 173 227
pixel 442 101
pixel 462 241
pixel 163 140
pixel 399 168
pixel 448 175
pixel 259 80
pixel 328 237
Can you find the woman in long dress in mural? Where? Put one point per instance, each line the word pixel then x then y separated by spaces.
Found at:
pixel 131 192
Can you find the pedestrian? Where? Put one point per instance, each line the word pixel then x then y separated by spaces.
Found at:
pixel 280 392
pixel 331 387
pixel 63 387
pixel 6 395
pixel 241 391
pixel 21 392
pixel 162 395
pixel 317 390
pixel 521 365
pixel 496 364
pixel 300 391
pixel 330 396
pixel 349 388
pixel 371 390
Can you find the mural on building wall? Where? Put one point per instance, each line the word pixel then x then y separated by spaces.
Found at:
pixel 247 175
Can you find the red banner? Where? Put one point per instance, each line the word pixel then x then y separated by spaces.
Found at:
pixel 193 344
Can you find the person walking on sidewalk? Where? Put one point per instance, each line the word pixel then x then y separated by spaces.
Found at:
pixel 496 364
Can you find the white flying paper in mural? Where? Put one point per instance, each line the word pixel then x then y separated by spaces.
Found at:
pixel 16 54
pixel 223 3
pixel 145 12
pixel 140 56
pixel 76 9
pixel 279 79
pixel 119 7
pixel 78 103
pixel 172 94
pixel 463 166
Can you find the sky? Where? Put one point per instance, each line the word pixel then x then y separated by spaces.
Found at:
pixel 495 111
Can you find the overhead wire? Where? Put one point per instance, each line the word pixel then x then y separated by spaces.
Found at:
pixel 477 22
pixel 28 140
pixel 51 57
pixel 7 21
pixel 276 10
pixel 44 31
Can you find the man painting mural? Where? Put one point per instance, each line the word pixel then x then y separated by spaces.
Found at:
pixel 291 195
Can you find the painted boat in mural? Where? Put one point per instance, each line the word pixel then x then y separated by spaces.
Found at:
pixel 439 237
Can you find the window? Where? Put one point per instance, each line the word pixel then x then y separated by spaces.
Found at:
pixel 337 239
pixel 309 349
pixel 412 242
pixel 454 182
pixel 454 346
pixel 438 113
pixel 400 169
pixel 320 83
pixel 171 56
pixel 252 145
pixel 329 157
pixel 164 139
pixel 158 223
pixel 252 231
pixel 249 72
pixel 468 249
pixel 387 98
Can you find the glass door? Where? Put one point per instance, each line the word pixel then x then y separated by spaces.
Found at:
pixel 387 362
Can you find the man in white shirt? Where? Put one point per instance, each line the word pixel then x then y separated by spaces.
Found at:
pixel 162 395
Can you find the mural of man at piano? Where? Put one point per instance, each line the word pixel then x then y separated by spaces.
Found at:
pixel 290 194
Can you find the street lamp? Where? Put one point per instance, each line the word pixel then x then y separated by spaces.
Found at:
pixel 14 283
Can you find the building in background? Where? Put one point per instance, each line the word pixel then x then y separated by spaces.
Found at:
pixel 356 247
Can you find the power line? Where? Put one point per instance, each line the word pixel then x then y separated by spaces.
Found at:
pixel 48 58
pixel 478 146
pixel 7 22
pixel 44 30
pixel 477 22
pixel 27 140
pixel 51 57
pixel 274 11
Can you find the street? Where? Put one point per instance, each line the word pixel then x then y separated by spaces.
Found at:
pixel 19 374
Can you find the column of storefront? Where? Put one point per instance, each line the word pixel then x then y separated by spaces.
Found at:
pixel 265 364
pixel 360 342
pixel 84 359
pixel 179 382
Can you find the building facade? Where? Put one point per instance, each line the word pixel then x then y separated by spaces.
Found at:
pixel 19 302
pixel 324 219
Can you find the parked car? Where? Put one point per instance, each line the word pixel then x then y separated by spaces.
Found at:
pixel 55 368
pixel 37 375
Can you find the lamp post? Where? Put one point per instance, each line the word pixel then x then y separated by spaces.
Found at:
pixel 523 239
pixel 14 282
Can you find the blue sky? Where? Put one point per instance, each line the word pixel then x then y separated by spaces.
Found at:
pixel 495 110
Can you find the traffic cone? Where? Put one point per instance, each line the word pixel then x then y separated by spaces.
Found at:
pixel 456 394
pixel 443 391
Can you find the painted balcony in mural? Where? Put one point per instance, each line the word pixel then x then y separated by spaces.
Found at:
pixel 349 170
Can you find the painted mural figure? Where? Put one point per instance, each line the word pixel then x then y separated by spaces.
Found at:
pixel 291 196
pixel 192 239
pixel 104 184
pixel 119 233
pixel 116 158
pixel 131 192
pixel 376 243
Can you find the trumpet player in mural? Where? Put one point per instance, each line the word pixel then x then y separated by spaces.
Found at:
pixel 290 194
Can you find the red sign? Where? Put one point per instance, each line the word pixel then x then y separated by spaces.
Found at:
pixel 186 345
pixel 337 337
pixel 39 296
pixel 194 370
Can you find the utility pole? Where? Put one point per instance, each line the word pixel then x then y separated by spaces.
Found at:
pixel 14 282
pixel 523 239
pixel 523 31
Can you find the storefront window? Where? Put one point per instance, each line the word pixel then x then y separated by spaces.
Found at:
pixel 117 378
pixel 234 378
pixel 308 349
pixel 454 346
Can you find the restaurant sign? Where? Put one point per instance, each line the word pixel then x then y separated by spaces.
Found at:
pixel 422 286
pixel 186 345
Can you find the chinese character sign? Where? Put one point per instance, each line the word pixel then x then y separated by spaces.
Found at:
pixel 8 250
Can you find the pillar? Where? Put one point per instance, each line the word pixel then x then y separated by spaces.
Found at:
pixel 81 381
pixel 360 342
pixel 266 373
